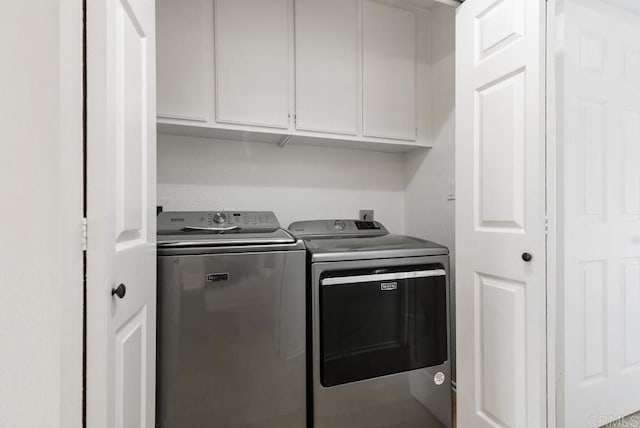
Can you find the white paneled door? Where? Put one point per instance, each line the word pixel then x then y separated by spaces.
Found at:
pixel 601 169
pixel 121 165
pixel 500 213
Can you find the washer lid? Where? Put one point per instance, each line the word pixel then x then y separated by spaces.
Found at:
pixel 373 247
pixel 220 228
pixel 200 239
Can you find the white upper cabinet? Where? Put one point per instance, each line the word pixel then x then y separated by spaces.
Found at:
pixel 252 62
pixel 327 65
pixel 323 72
pixel 182 59
pixel 389 68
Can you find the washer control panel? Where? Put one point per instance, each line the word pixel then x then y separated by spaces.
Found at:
pixel 246 221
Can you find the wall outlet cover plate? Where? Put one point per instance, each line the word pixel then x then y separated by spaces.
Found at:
pixel 366 215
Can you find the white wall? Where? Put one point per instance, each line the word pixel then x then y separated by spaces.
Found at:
pixel 40 184
pixel 296 182
pixel 430 173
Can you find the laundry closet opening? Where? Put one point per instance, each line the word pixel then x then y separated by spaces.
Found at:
pixel 311 110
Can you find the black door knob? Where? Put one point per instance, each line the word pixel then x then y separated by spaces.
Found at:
pixel 526 257
pixel 120 291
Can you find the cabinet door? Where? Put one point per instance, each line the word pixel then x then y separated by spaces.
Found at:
pixel 327 65
pixel 389 71
pixel 182 58
pixel 252 62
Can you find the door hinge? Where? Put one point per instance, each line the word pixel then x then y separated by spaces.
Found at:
pixel 546 225
pixel 83 234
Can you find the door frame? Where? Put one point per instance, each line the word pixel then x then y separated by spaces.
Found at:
pixel 554 335
pixel 96 309
pixel 71 193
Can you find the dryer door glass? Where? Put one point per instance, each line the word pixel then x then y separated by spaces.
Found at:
pixel 381 321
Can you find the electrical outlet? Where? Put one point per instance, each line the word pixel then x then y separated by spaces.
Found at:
pixel 366 215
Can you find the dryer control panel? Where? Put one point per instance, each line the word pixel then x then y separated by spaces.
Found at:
pixel 246 221
pixel 336 228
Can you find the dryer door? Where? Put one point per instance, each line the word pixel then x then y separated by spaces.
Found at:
pixel 375 322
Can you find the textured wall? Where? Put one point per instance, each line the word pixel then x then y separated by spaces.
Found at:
pixel 296 182
pixel 40 184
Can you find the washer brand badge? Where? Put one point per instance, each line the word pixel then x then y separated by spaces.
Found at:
pixel 438 379
pixel 214 277
pixel 388 286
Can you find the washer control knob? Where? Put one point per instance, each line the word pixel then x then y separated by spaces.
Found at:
pixel 219 218
pixel 339 225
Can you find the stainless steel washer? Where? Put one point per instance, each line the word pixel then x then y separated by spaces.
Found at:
pixel 380 326
pixel 231 321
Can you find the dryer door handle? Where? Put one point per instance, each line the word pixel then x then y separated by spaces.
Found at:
pixel 383 277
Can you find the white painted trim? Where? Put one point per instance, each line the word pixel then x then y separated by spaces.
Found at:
pixel 453 3
pixel 291 123
pixel 257 134
pixel 552 219
pixel 99 198
pixel 175 116
pixel 210 61
pixel 423 5
pixel 424 80
pixel 71 185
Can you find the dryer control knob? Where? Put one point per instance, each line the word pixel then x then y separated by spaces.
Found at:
pixel 219 218
pixel 339 225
